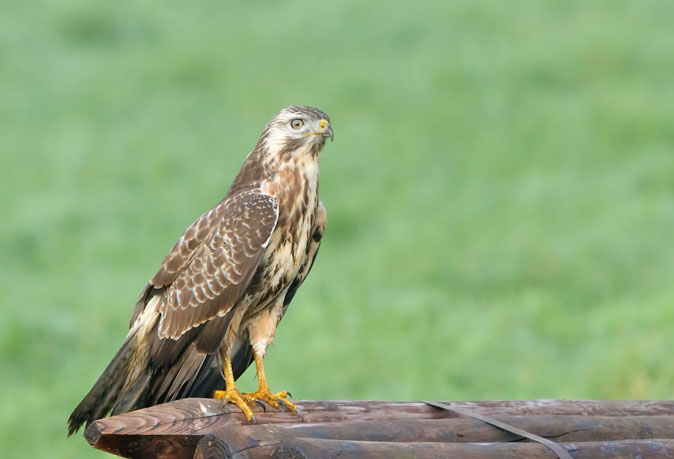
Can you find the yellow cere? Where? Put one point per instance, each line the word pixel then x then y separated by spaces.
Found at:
pixel 323 124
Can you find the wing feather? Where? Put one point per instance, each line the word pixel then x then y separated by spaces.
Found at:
pixel 208 378
pixel 211 265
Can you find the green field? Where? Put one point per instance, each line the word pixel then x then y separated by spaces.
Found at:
pixel 500 192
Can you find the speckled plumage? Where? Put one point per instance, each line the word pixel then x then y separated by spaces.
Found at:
pixel 228 280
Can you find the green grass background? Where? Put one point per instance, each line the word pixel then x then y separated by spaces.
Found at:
pixel 500 192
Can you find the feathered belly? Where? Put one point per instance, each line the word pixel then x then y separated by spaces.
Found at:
pixel 286 253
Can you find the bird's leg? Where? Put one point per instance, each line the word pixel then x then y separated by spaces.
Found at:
pixel 231 394
pixel 261 333
pixel 263 393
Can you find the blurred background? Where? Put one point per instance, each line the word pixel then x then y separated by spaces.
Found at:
pixel 500 192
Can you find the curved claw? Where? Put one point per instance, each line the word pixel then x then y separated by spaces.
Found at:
pixel 273 400
pixel 234 396
pixel 287 404
pixel 259 403
pixel 283 405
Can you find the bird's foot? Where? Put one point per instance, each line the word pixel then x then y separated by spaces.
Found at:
pixel 237 398
pixel 265 395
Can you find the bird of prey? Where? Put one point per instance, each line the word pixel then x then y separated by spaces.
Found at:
pixel 217 298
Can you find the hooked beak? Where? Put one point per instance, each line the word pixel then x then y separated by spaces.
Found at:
pixel 326 130
pixel 329 133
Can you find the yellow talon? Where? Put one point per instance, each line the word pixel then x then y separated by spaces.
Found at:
pixel 237 398
pixel 231 393
pixel 264 394
pixel 245 401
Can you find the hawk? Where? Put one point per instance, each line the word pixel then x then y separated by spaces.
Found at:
pixel 219 294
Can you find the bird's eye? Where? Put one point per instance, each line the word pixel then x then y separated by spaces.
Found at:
pixel 297 123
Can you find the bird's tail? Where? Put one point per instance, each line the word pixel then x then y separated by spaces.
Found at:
pixel 107 390
pixel 148 370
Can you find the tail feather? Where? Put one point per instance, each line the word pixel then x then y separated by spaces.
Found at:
pixel 148 371
pixel 132 395
pixel 105 393
pixel 209 378
pixel 135 380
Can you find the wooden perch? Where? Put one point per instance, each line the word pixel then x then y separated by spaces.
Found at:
pixel 207 428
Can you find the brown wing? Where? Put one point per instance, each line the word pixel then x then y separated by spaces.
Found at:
pixel 181 254
pixel 209 377
pixel 211 265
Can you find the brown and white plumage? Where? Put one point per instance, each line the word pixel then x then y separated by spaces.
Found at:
pixel 223 287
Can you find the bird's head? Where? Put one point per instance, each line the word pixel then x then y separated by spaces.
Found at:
pixel 298 129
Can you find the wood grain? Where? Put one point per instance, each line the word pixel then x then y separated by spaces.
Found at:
pixel 328 449
pixel 210 428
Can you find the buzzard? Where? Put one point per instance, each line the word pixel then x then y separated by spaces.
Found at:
pixel 219 294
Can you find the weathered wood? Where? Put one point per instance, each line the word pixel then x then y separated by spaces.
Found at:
pixel 143 446
pixel 212 447
pixel 198 413
pixel 462 430
pixel 328 449
pixel 178 429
